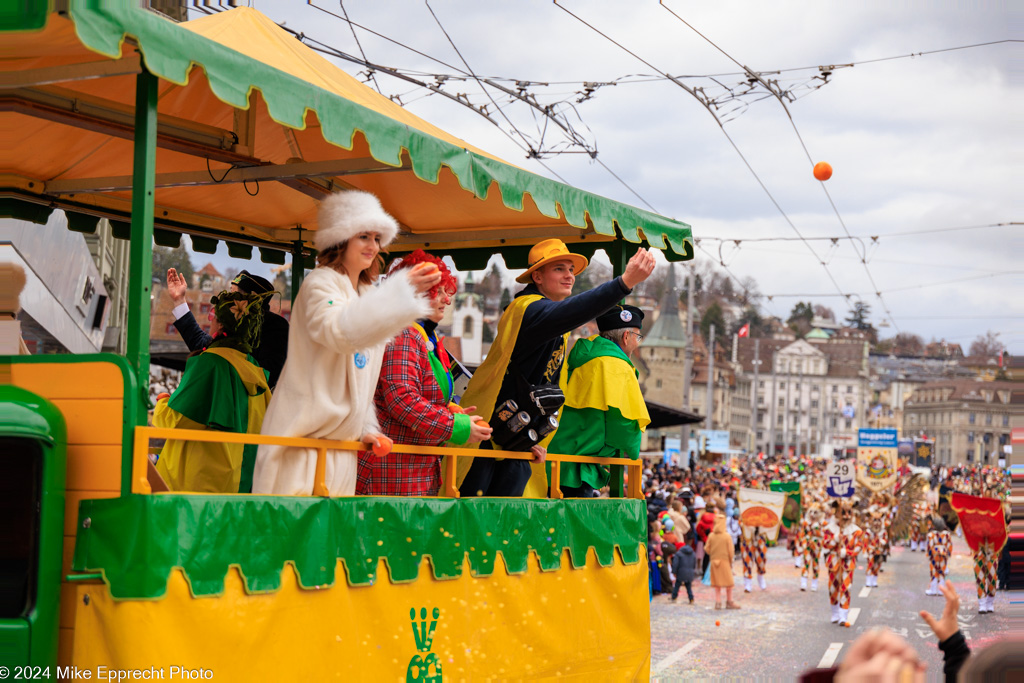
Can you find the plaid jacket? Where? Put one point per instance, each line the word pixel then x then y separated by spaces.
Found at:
pixel 412 410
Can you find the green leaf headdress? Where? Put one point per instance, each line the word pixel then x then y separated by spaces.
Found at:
pixel 240 314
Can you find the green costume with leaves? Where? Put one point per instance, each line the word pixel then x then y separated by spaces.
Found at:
pixel 604 412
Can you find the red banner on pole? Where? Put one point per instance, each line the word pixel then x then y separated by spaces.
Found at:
pixel 982 519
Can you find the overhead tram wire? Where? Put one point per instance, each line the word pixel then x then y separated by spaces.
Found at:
pixel 779 96
pixel 707 106
pixel 362 52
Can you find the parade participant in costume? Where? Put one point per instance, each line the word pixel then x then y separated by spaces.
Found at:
pixel 719 549
pixel 797 531
pixel 984 525
pixel 842 541
pixel 940 547
pixel 753 547
pixel 525 363
pixel 272 348
pixel 812 529
pixel 604 413
pixel 339 325
pixel 874 546
pixel 223 389
pixel 920 526
pixel 412 399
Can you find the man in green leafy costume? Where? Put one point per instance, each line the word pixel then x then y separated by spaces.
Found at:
pixel 604 411
pixel 223 389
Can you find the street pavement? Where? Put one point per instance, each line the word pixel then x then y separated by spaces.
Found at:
pixel 781 632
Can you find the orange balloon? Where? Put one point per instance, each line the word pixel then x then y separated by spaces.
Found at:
pixel 718 623
pixel 822 171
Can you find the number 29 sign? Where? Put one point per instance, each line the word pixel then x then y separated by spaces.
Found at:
pixel 840 476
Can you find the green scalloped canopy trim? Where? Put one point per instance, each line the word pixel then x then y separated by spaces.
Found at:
pixel 137 540
pixel 171 51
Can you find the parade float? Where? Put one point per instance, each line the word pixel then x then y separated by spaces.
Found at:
pixel 227 128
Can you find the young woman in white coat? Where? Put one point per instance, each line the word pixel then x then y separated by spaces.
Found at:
pixel 340 323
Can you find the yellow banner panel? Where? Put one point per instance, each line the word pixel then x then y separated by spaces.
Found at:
pixel 588 623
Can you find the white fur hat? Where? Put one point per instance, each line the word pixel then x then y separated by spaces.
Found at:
pixel 344 215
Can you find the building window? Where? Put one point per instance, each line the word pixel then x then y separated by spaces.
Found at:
pixel 796 402
pixel 849 424
pixel 676 351
pixel 204 309
pixel 849 388
pixel 658 384
pixel 170 328
pixel 835 422
pixel 970 455
pixel 814 404
pixel 760 400
pixel 1006 420
pixel 782 385
pixel 835 405
pixel 760 435
pixel 760 384
pixel 970 437
pixel 988 418
pixel 467 327
pixel 782 403
pixel 814 422
pixel 796 420
pixel 797 387
pixel 779 421
pixel 835 387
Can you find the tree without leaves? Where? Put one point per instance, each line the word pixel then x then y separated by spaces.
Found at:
pixel 824 312
pixel 987 344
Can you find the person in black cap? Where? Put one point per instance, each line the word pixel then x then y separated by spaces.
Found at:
pixel 604 411
pixel 271 349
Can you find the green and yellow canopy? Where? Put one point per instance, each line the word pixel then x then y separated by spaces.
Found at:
pixel 254 128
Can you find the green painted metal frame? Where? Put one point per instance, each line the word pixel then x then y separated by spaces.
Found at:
pixel 140 263
pixel 49 434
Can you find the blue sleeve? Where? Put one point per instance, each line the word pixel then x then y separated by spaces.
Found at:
pixel 545 319
pixel 193 335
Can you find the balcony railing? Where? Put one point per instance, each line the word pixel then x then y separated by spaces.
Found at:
pixel 143 435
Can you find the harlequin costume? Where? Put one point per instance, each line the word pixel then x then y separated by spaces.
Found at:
pixel 753 546
pixel 412 401
pixel 335 350
pixel 843 541
pixel 812 529
pixel 222 389
pixel 604 413
pixel 875 541
pixel 984 524
pixel 940 547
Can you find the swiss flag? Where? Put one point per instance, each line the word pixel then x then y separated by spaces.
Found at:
pixel 744 331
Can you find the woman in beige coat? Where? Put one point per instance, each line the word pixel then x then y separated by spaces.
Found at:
pixel 719 549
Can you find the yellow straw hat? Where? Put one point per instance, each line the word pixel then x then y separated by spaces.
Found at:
pixel 548 251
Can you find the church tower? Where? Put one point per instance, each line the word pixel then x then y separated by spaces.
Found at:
pixel 663 350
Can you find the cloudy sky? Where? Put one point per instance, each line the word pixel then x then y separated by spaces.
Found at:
pixel 918 144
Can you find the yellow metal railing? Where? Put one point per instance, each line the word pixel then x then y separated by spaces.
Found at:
pixel 143 435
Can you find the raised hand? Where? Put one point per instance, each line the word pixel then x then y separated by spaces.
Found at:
pixel 176 286
pixel 946 625
pixel 639 268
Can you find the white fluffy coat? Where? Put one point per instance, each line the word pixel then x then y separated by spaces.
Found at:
pixel 321 392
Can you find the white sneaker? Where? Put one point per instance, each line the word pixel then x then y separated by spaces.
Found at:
pixel 983 605
pixel 991 603
pixel 932 588
pixel 814 584
pixel 748 585
pixel 844 617
pixel 803 583
pixel 798 562
pixel 835 614
pixel 761 582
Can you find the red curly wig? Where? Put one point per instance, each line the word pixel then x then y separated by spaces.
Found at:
pixel 448 281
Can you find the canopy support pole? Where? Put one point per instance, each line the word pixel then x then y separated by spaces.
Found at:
pixel 298 267
pixel 141 251
pixel 617 255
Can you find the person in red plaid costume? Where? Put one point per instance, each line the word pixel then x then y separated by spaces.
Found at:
pixel 412 401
